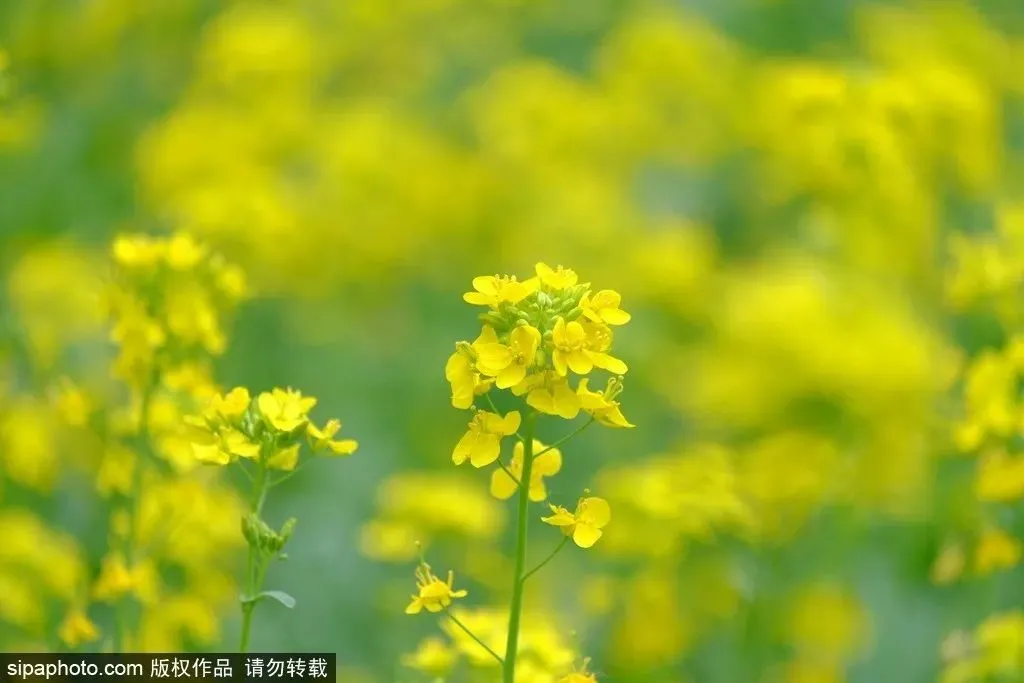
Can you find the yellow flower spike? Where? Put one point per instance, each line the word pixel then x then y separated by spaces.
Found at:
pixel 555 397
pixel 284 458
pixel 481 444
pixel 492 290
pixel 285 410
pixel 77 629
pixel 604 410
pixel 547 464
pixel 322 439
pixel 586 524
pixel 604 307
pixel 569 340
pixel 556 278
pixel 433 594
pixel 509 364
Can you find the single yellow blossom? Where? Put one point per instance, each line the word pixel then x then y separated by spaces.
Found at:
pixel 600 406
pixel 492 290
pixel 434 594
pixel 77 628
pixel 324 438
pixel 114 580
pixel 570 348
pixel 546 462
pixel 287 409
pixel 604 307
pixel 238 444
pixel 586 524
pixel 481 444
pixel 556 278
pixel 509 364
pixel 597 344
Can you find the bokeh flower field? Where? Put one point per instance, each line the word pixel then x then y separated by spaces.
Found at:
pixel 245 247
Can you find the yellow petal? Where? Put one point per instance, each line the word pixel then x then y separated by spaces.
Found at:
pixel 503 486
pixel 586 535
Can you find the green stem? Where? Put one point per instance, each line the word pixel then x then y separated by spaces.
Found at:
pixel 123 608
pixel 255 569
pixel 546 559
pixel 516 608
pixel 472 635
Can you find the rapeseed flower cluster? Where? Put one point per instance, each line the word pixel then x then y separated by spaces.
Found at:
pixel 538 335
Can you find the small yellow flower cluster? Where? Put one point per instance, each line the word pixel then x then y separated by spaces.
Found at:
pixel 268 429
pixel 168 300
pixel 535 332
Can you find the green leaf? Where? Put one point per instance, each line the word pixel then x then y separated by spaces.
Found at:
pixel 280 596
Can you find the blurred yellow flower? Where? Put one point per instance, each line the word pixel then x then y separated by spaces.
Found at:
pixel 285 409
pixel 547 462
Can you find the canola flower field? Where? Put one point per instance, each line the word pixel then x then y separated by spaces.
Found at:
pixel 532 341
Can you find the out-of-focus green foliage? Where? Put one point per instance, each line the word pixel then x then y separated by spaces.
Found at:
pixel 813 212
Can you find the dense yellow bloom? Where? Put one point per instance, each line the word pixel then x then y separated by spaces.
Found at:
pixel 285 409
pixel 433 594
pixel 481 444
pixel 547 462
pixel 585 524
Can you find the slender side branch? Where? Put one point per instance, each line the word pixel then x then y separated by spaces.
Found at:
pixel 566 438
pixel 547 559
pixel 472 635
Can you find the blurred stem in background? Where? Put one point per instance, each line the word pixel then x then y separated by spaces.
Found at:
pixel 123 608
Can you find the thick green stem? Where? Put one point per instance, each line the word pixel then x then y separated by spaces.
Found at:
pixel 523 519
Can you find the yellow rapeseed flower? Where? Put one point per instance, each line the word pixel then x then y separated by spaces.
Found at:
pixel 556 278
pixel 481 444
pixel 586 524
pixel 434 594
pixel 285 409
pixel 493 290
pixel 601 406
pixel 605 307
pixel 77 628
pixel 324 438
pixel 509 363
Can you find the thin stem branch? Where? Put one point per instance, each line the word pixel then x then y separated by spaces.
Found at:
pixel 547 559
pixel 508 472
pixel 472 635
pixel 566 438
pixel 523 519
